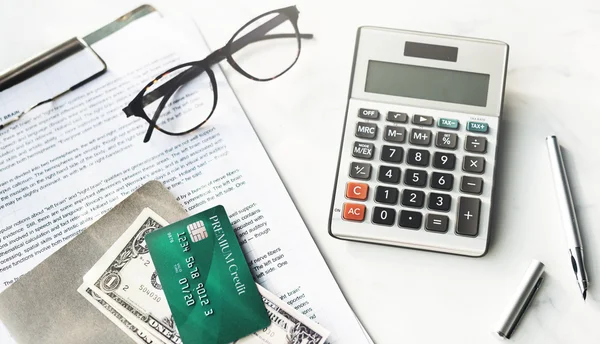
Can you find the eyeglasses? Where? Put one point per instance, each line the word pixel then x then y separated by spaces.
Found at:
pixel 184 97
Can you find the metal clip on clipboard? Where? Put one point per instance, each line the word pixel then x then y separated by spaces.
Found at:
pixel 75 55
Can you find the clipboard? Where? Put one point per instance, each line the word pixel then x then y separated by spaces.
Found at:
pixel 76 50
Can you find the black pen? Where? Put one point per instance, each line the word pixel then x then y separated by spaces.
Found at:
pixel 567 210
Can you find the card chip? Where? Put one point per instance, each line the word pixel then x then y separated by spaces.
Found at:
pixel 197 231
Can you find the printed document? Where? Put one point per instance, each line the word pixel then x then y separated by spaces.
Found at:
pixel 62 166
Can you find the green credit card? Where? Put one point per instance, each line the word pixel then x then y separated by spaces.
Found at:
pixel 206 280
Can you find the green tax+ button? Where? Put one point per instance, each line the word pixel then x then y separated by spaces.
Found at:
pixel 479 127
pixel 448 123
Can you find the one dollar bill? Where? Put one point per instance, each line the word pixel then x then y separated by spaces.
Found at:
pixel 288 326
pixel 138 335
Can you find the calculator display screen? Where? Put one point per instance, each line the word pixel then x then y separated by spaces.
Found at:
pixel 427 83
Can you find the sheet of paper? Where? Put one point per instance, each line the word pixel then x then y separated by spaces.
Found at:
pixel 65 165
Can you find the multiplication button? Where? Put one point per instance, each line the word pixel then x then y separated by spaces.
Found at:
pixel 474 164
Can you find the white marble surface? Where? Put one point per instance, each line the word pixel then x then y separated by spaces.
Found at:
pixel 407 296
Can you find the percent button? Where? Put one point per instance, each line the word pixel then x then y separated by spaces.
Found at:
pixel 446 140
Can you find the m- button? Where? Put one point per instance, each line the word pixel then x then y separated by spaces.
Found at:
pixel 354 212
pixel 357 191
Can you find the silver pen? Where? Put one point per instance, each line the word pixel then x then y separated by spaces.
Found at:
pixel 567 210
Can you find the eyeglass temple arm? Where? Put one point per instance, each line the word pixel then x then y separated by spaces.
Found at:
pixel 256 35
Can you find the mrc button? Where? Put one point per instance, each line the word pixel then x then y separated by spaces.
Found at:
pixel 366 130
pixel 368 113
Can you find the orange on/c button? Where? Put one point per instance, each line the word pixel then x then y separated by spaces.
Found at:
pixel 354 212
pixel 357 191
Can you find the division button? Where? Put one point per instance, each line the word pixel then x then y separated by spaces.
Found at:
pixel 475 144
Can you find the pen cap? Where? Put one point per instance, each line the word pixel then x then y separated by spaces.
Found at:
pixel 520 300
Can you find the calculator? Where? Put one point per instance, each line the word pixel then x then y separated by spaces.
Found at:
pixel 418 150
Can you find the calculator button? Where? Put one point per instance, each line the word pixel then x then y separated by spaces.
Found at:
pixel 398 117
pixel 437 223
pixel 360 170
pixel 413 198
pixel 444 161
pixel 440 202
pixel 468 216
pixel 384 216
pixel 415 178
pixel 366 130
pixel 478 127
pixel 446 140
pixel 387 195
pixel 410 219
pixel 389 174
pixel 474 164
pixel 354 212
pixel 447 123
pixel 475 144
pixel 422 120
pixel 472 185
pixel 417 157
pixel 392 153
pixel 394 134
pixel 420 137
pixel 363 150
pixel 357 191
pixel 368 113
pixel 443 181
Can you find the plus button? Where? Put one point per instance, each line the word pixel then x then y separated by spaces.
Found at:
pixel 468 215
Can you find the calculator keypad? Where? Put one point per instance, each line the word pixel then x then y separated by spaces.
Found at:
pixel 403 168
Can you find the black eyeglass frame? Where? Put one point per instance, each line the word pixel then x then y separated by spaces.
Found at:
pixel 136 106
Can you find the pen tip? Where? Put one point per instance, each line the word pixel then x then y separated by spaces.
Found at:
pixel 584 294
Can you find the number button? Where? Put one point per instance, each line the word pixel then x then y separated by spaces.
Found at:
pixel 415 178
pixel 446 140
pixel 389 174
pixel 443 181
pixel 475 144
pixel 437 223
pixel 363 150
pixel 474 164
pixel 413 198
pixel 386 195
pixel 417 157
pixel 410 219
pixel 392 153
pixel 384 216
pixel 366 130
pixel 444 161
pixel 359 170
pixel 472 185
pixel 394 134
pixel 439 201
